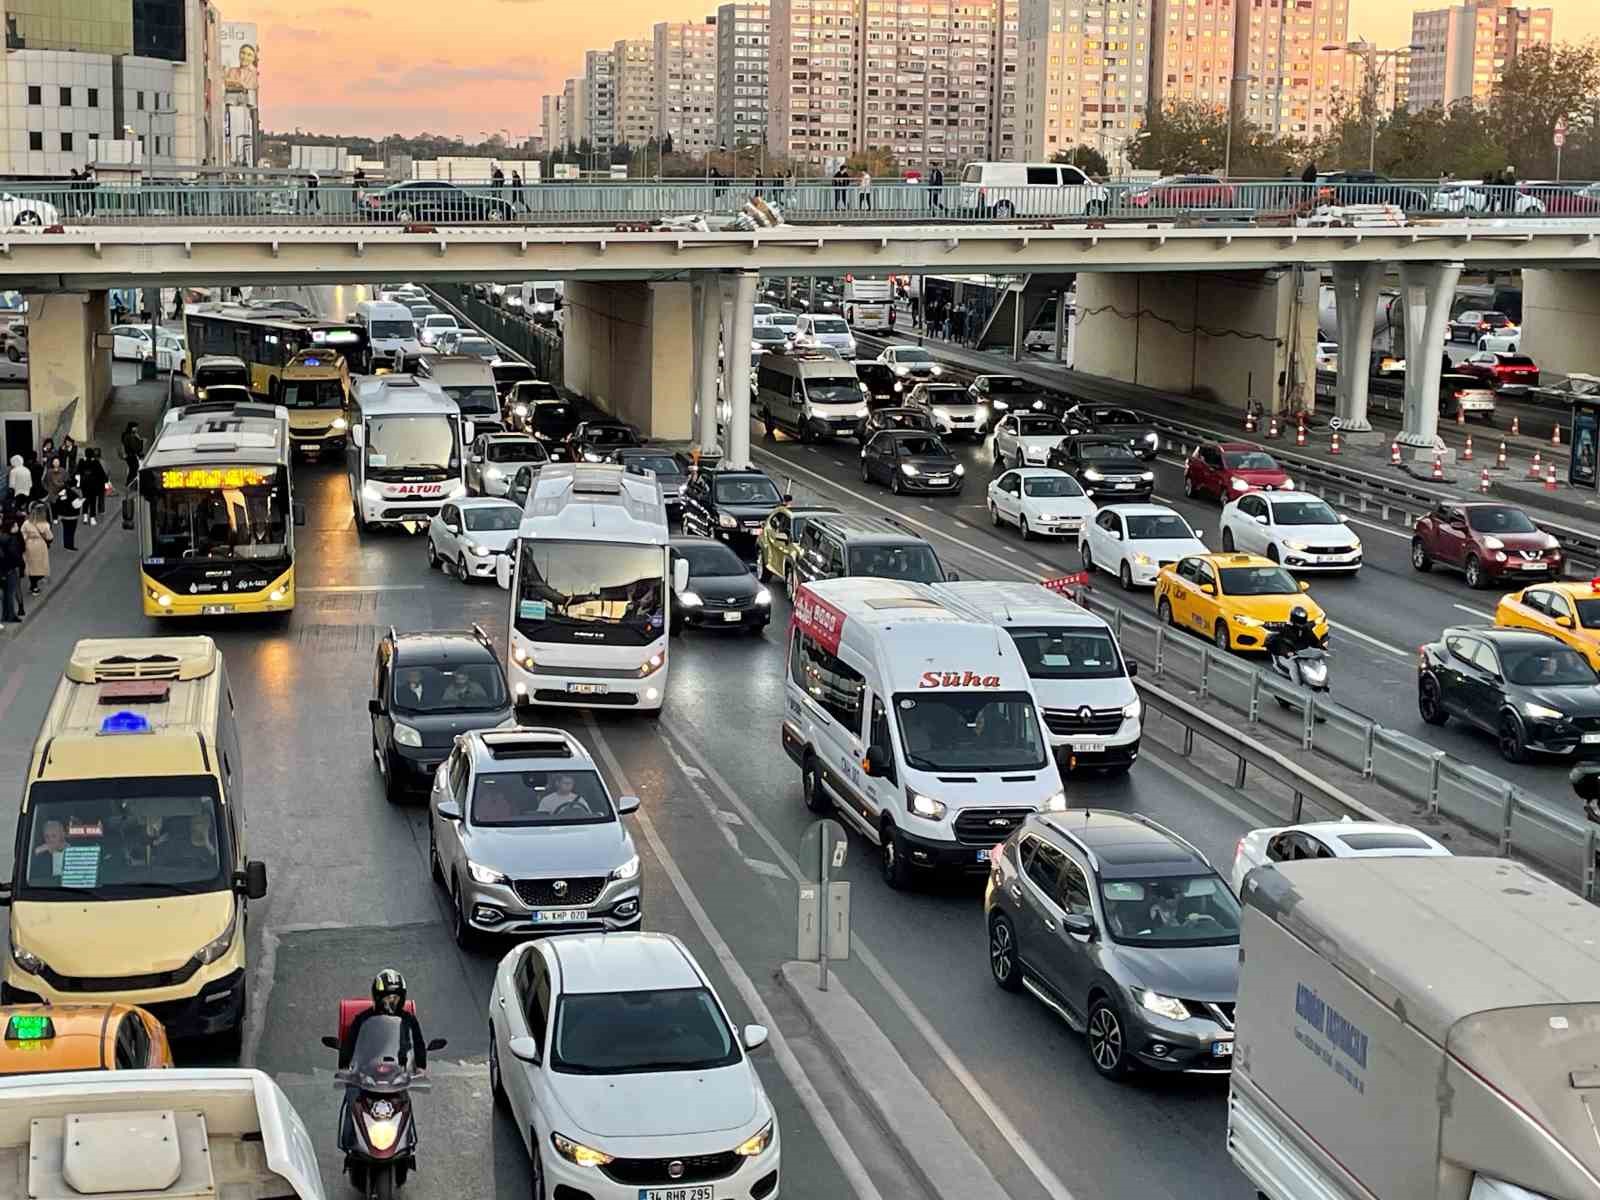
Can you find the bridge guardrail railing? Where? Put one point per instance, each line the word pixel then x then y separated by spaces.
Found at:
pixel 1519 822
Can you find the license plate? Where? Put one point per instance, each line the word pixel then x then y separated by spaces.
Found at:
pixel 752 524
pixel 1087 747
pixel 588 689
pixel 983 855
pixel 730 617
pixel 702 1192
pixel 1591 739
pixel 938 479
pixel 1534 566
pixel 1222 1049
pixel 214 610
pixel 1125 486
pixel 559 916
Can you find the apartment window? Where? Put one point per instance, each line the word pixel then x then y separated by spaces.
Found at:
pixel 94 97
pixel 35 140
pixel 66 141
pixel 139 98
pixel 35 94
pixel 66 97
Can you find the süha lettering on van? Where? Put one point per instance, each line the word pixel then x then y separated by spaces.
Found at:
pixel 819 618
pixel 957 679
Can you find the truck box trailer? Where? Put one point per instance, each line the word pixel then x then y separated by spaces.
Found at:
pixel 1416 1029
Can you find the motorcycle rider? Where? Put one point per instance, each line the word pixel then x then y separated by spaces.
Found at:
pixel 389 999
pixel 1297 635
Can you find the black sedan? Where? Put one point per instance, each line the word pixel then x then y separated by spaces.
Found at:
pixel 884 387
pixel 1534 694
pixel 722 593
pixel 1012 393
pixel 1124 423
pixel 900 416
pixel 911 461
pixel 1105 466
pixel 594 441
pixel 437 202
pixel 730 504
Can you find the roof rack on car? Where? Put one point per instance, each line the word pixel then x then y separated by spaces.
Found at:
pixel 1177 837
pixel 527 743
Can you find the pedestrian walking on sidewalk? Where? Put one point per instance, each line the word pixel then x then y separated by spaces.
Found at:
pixel 67 507
pixel 841 188
pixel 132 451
pixel 19 479
pixel 11 563
pixel 36 538
pixel 69 454
pixel 93 482
pixel 55 477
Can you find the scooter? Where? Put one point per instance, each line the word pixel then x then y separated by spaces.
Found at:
pixel 1307 669
pixel 377 1129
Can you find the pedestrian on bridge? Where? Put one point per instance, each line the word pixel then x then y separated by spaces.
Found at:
pixel 936 189
pixel 516 188
pixel 1309 175
pixel 841 184
pixel 864 190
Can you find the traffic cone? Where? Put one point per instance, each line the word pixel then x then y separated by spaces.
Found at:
pixel 1249 420
pixel 1500 459
pixel 1555 436
pixel 1483 480
pixel 1461 415
pixel 1394 452
pixel 1516 426
pixel 1438 467
pixel 1333 446
pixel 1533 467
pixel 1550 478
pixel 1466 454
pixel 1272 426
pixel 1300 431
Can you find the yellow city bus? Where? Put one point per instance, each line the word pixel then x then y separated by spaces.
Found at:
pixel 316 391
pixel 268 341
pixel 216 513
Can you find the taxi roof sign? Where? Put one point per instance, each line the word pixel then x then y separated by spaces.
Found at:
pixel 29 1027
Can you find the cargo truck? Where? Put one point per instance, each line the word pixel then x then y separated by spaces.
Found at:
pixel 1416 1029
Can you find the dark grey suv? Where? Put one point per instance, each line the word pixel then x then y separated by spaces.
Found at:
pixel 1125 931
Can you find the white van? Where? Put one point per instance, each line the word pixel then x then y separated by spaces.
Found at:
pixel 1010 189
pixel 392 332
pixel 470 382
pixel 916 722
pixel 1083 681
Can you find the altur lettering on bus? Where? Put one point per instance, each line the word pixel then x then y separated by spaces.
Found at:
pixel 961 679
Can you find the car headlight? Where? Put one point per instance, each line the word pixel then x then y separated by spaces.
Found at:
pixel 1147 476
pixel 924 806
pixel 1056 803
pixel 1239 485
pixel 218 946
pixel 340 424
pixel 577 1153
pixel 1163 1006
pixel 493 473
pixel 960 470
pixel 689 599
pixel 763 597
pixel 1141 558
pixel 26 960
pixel 1152 439
pixel 652 664
pixel 1241 619
pixel 727 522
pixel 456 491
pixel 900 370
pixel 484 874
pixel 164 599
pixel 628 870
pixel 404 735
pixel 480 551
pixel 371 491
pixel 1494 543
pixel 1295 544
pixel 520 410
pixel 1092 475
pixel 1530 709
pixel 589 456
pixel 756 1143
pixel 937 369
pixel 909 469
pixel 1132 709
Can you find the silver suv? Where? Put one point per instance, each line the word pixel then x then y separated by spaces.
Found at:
pixel 526 838
pixel 1125 931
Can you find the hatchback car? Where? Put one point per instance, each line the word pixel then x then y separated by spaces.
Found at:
pixel 466 536
pixel 1329 839
pixel 950 408
pixel 1025 438
pixel 1297 529
pixel 1139 433
pixel 526 838
pixel 593 441
pixel 1125 931
pixel 721 593
pixel 1184 191
pixel 427 688
pixel 1135 541
pixel 1236 600
pixel 1104 466
pixel 884 387
pixel 907 461
pixel 1464 396
pixel 622 1071
pixel 1472 324
pixel 1229 469
pixel 779 540
pixel 1040 501
pixel 1568 612
pixel 495 457
pixel 1486 542
pixel 896 417
pixel 730 505
pixel 1535 695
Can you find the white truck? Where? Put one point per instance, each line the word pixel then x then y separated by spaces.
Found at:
pixel 1416 1029
pixel 183 1134
pixel 867 303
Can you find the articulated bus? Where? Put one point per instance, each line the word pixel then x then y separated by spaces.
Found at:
pixel 216 513
pixel 268 342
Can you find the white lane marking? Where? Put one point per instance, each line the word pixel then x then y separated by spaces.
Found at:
pixel 1477 612
pixel 1187 779
pixel 376 587
pixel 844 1154
pixel 1047 566
pixel 838 462
pixel 1370 640
pixel 772 870
pixel 928 507
pixel 1047 1178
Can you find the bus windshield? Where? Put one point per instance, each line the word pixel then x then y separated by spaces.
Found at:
pixel 249 521
pixel 122 838
pixel 400 444
pixel 312 393
pixel 589 593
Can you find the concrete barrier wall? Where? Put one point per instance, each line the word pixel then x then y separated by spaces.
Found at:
pixel 1560 314
pixel 629 348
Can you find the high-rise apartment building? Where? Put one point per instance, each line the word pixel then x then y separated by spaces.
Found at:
pixel 1005 141
pixel 599 122
pixel 633 79
pixel 1465 49
pixel 1084 74
pixel 1191 51
pixel 742 33
pixel 574 102
pixel 550 122
pixel 686 83
pixel 1279 44
pixel 811 90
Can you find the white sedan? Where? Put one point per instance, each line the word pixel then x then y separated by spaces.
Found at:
pixel 466 536
pixel 1022 439
pixel 1330 839
pixel 32 214
pixel 1500 341
pixel 131 341
pixel 435 324
pixel 1040 500
pixel 1296 529
pixel 1134 541
pixel 170 352
pixel 624 1075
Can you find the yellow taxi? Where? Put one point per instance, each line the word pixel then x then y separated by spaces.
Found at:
pixel 779 539
pixel 35 1038
pixel 1236 600
pixel 1568 611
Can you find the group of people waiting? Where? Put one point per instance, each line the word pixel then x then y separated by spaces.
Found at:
pixel 48 492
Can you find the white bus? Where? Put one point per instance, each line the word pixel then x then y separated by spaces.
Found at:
pixel 406 454
pixel 867 303
pixel 591 582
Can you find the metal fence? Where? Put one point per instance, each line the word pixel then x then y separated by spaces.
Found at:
pixel 538 346
pixel 292 202
pixel 1520 823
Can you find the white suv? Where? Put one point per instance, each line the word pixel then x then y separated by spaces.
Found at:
pixel 625 1075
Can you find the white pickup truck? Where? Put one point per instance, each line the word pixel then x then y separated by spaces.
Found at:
pixel 187 1134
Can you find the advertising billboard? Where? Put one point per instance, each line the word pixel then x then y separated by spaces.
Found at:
pixel 241 84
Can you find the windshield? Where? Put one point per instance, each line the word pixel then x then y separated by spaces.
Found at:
pixel 1553 666
pixel 830 325
pixel 1588 613
pixel 475 398
pixel 785 319
pixel 440 321
pixel 1116 416
pixel 1303 512
pixel 513 373
pixel 536 390
pixel 551 419
pixel 589 592
pixel 619 1033
pixel 544 295
pixel 834 391
pixel 404 330
pixel 526 451
pixel 525 799
pixel 458 687
pixel 1051 487
pixel 770 334
pixel 481 347
pixel 969 731
pixel 947 397
pixel 709 559
pixel 1257 581
pixel 419 311
pixel 912 355
pixel 1250 460
pixel 1177 910
pixel 609 435
pixel 661 464
pixel 747 489
pixel 492 518
pixel 382 1056
pixel 1105 452
pixel 1157 527
pixel 312 393
pixel 205 377
pixel 1059 653
pixel 122 838
pixel 901 418
pixel 411 443
pixel 926 447
pixel 1010 385
pixel 250 521
pixel 914 561
pixel 1499 518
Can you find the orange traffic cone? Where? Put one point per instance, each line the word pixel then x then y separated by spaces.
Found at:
pixel 1272 426
pixel 1466 454
pixel 1550 478
pixel 1438 467
pixel 1516 426
pixel 1394 452
pixel 1500 459
pixel 1533 467
pixel 1300 431
pixel 1483 480
pixel 1555 436
pixel 1333 446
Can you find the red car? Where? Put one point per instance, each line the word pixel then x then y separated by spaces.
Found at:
pixel 1487 542
pixel 1560 199
pixel 1185 191
pixel 1230 469
pixel 1502 371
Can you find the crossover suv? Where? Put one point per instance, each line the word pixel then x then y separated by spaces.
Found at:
pixel 1125 931
pixel 1486 542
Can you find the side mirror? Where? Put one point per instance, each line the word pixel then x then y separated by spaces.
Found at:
pixel 502 571
pixel 437 1044
pixel 299 510
pixel 1133 667
pixel 627 804
pixel 468 433
pixel 1304 586
pixel 331 1042
pixel 5 895
pixel 525 1049
pixel 1343 520
pixel 1209 589
pixel 252 881
pixel 1261 520
pixel 1564 621
pixel 452 527
pixel 755 1036
pixel 952 576
pixel 1079 924
pixel 375 707
pixel 680 575
pixel 876 764
pixel 788 498
pixel 449 810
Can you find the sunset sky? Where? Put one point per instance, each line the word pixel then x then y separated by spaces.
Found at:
pixel 472 67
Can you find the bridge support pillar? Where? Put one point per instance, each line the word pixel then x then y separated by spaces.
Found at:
pixel 65 363
pixel 1426 289
pixel 707 328
pixel 1355 286
pixel 736 358
pixel 1560 312
pixel 624 349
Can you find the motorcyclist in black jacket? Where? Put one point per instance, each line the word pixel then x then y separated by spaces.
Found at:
pixel 1297 635
pixel 389 999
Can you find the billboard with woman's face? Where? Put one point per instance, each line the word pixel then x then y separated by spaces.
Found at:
pixel 241 60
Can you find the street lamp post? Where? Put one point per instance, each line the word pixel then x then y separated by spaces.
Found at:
pixel 1227 153
pixel 1374 58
